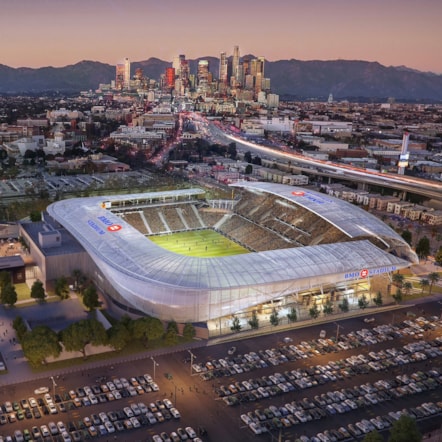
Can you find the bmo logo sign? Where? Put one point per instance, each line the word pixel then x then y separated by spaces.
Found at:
pixel 363 273
pixel 111 227
pixel 114 228
pixel 298 193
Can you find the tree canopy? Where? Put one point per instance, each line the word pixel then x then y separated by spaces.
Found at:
pixel 79 334
pixel 37 290
pixel 40 343
pixel 405 430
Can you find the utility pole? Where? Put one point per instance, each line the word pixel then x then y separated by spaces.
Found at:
pixel 53 385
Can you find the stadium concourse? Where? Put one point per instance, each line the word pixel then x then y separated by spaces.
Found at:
pixel 298 247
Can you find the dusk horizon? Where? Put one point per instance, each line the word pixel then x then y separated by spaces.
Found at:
pixel 397 33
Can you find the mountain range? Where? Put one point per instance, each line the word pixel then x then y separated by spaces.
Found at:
pixel 291 79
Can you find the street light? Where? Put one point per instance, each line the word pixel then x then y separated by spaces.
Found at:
pixel 53 383
pixel 338 327
pixel 155 364
pixel 191 361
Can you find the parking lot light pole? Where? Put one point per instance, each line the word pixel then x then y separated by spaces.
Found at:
pixel 155 364
pixel 338 327
pixel 53 384
pixel 192 356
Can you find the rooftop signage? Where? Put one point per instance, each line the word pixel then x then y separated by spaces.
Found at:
pixel 110 226
pixel 365 273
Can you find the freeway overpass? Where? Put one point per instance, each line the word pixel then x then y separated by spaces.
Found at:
pixel 402 183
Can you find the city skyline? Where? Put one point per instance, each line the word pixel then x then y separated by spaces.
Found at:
pixel 53 33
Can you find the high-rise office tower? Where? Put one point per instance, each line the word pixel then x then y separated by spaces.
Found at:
pixel 176 63
pixel 119 76
pixel 170 77
pixel 126 73
pixel 235 61
pixel 223 68
pixel 203 71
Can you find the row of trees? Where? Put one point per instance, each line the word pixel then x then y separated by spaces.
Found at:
pixel 407 286
pixel 42 342
pixel 314 312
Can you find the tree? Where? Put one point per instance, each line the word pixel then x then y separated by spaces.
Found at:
pixel 118 336
pixel 424 283
pixel 344 306
pixel 147 329
pixel 373 436
pixel 254 321
pixel 363 302
pixel 328 307
pixel 170 337
pixel 35 215
pixel 248 157
pixel 405 430
pixel 231 150
pixel 90 298
pixel 236 324
pixel 274 318
pixel 408 287
pixel 76 336
pixel 172 325
pixel 38 291
pixel 378 301
pixel 5 278
pixel 398 296
pixel 20 327
pixel 314 311
pixel 433 277
pixel 398 279
pixel 249 169
pixel 39 344
pixel 61 287
pixel 8 295
pixel 77 275
pixel 189 331
pixel 292 316
pixel 438 257
pixel 423 248
pixel 407 236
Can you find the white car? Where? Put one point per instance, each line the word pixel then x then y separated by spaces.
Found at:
pixel 175 413
pixel 41 390
pixel 191 432
pixel 45 431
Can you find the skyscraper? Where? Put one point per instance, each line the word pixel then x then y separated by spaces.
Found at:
pixel 126 73
pixel 235 67
pixel 119 76
pixel 223 68
pixel 203 71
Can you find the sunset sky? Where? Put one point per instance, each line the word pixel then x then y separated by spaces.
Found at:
pixel 36 33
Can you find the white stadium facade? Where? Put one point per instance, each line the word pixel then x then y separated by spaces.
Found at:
pixel 300 242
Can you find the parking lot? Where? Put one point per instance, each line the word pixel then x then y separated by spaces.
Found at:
pixel 358 376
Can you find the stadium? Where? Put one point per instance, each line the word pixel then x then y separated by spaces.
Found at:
pixel 270 245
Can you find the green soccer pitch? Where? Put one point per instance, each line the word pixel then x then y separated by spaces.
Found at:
pixel 199 243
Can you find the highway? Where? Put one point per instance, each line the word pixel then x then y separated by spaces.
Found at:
pixel 403 183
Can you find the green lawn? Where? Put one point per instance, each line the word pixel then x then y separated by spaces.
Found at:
pixel 200 243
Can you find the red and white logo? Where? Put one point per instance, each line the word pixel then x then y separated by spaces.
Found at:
pixel 363 273
pixel 114 228
pixel 298 193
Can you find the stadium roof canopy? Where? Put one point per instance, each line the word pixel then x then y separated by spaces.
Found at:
pixel 184 288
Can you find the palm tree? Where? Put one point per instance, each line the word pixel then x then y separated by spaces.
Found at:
pixel 398 279
pixel 433 277
pixel 408 286
pixel 424 283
